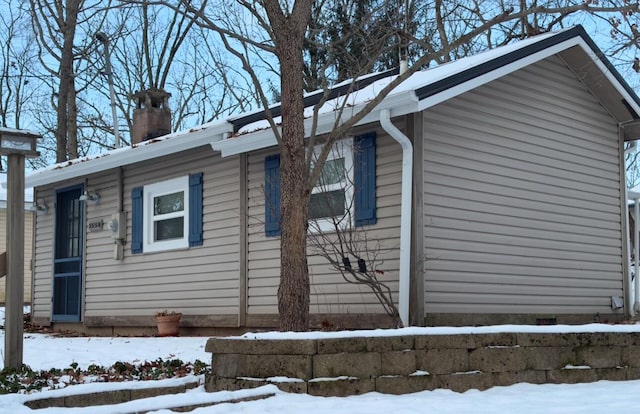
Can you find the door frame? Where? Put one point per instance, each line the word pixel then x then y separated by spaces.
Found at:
pixel 82 234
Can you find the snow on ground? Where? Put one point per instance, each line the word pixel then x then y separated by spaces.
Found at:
pixel 44 352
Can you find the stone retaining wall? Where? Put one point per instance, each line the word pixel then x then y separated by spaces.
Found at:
pixel 404 364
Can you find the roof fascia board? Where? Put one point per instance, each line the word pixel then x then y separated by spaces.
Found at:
pixel 314 98
pixel 150 150
pixel 612 75
pixel 455 85
pixel 399 104
pixel 468 83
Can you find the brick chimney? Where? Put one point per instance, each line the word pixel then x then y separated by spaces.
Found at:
pixel 152 117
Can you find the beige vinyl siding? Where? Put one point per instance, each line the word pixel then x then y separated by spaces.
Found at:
pixel 43 255
pixel 202 280
pixel 28 250
pixel 329 292
pixel 522 199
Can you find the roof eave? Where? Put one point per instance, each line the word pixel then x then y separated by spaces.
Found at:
pixel 399 104
pixel 142 152
pixel 474 77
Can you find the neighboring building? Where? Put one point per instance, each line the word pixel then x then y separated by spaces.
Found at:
pixel 518 207
pixel 28 236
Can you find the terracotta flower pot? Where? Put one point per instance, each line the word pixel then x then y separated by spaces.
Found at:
pixel 168 325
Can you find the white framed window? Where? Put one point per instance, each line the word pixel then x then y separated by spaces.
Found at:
pixel 166 215
pixel 332 197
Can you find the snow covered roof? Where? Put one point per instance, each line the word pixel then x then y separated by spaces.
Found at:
pixel 168 144
pixel 250 131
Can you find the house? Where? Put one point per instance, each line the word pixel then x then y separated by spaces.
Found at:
pixel 494 184
pixel 29 211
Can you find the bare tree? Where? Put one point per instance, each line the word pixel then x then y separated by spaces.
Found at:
pixel 334 236
pixel 253 31
pixel 63 56
pixel 15 60
pixel 155 47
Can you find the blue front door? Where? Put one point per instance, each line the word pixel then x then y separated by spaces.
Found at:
pixel 67 264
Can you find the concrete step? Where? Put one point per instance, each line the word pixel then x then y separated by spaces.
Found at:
pixel 131 400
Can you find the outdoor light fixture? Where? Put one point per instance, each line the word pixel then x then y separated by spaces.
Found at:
pixel 90 196
pixel 40 206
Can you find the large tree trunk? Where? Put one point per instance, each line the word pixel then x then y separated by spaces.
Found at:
pixel 72 121
pixel 294 290
pixel 66 79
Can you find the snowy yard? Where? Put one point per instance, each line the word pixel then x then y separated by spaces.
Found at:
pixel 44 352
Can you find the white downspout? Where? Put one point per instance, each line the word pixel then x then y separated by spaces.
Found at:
pixel 636 259
pixel 633 310
pixel 405 213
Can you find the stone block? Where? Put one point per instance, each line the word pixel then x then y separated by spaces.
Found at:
pixel 398 362
pixel 498 359
pixel 361 365
pixel 633 373
pixel 611 374
pixel 341 387
pixel 461 382
pixel 137 394
pixel 405 385
pixel 495 340
pixel 595 339
pixel 599 356
pixel 546 358
pixel 633 338
pixel 541 340
pixel 464 341
pixel 261 346
pixel 226 365
pixel 339 345
pixel 45 403
pixel 292 387
pixel 571 376
pixel 442 360
pixel 214 383
pixel 262 366
pixel 510 378
pixel 630 356
pixel 98 398
pixel 390 343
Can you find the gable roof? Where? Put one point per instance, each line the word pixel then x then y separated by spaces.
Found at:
pixel 423 89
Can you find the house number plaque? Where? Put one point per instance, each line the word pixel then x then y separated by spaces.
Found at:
pixel 95 225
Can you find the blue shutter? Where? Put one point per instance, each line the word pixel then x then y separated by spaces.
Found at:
pixel 364 179
pixel 195 209
pixel 137 216
pixel 272 195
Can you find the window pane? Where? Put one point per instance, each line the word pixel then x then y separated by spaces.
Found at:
pixel 169 229
pixel 168 203
pixel 328 204
pixel 332 172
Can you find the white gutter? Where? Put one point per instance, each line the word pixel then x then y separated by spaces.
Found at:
pixel 405 213
pixel 146 150
pixel 404 102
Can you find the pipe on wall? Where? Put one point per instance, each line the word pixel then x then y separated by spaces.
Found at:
pixel 405 213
